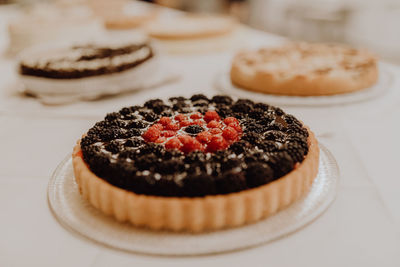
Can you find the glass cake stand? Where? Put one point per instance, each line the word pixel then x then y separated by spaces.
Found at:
pixel 77 215
pixel 384 84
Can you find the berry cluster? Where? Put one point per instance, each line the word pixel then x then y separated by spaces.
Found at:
pixel 194 147
pixel 194 131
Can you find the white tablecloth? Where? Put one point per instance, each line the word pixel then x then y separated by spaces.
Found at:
pixel 361 228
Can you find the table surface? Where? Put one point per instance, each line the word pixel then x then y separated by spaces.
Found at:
pixel 361 228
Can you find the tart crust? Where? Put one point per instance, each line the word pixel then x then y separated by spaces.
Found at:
pixel 197 214
pixel 296 80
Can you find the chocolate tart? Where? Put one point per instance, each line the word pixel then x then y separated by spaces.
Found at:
pixel 195 164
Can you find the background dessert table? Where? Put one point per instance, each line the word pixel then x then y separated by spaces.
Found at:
pixel 361 228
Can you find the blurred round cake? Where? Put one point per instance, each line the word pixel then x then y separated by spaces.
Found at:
pixel 122 14
pixel 193 33
pixel 304 69
pixel 47 23
pixel 97 67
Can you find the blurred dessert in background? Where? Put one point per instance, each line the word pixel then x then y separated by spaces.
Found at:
pixel 87 69
pixel 123 14
pixel 304 69
pixel 49 23
pixel 193 33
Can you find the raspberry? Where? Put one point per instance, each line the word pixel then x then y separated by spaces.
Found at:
pixel 235 126
pixel 214 124
pixel 180 117
pixel 185 138
pixel 164 121
pixel 184 123
pixel 195 145
pixel 189 144
pixel 197 122
pixel 157 126
pixel 211 115
pixel 168 133
pixel 160 140
pixel 217 143
pixel 204 137
pixel 173 143
pixel 215 131
pixel 172 126
pixel 230 134
pixel 196 115
pixel 151 134
pixel 229 120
